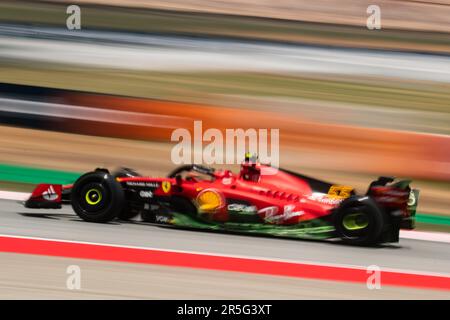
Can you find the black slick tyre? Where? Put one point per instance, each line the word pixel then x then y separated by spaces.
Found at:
pixel 97 197
pixel 359 222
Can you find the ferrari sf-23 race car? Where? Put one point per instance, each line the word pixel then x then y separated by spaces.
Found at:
pixel 282 203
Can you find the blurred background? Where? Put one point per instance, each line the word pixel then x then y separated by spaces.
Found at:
pixel 351 103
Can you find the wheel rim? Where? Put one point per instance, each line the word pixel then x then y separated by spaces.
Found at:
pixel 355 221
pixel 93 197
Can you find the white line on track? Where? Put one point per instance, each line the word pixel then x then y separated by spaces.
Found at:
pixel 404 234
pixel 17 196
pixel 426 236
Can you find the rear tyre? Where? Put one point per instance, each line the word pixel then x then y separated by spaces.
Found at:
pixel 97 197
pixel 359 222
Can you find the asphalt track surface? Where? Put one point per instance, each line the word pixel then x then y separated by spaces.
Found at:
pixel 413 255
pixel 32 276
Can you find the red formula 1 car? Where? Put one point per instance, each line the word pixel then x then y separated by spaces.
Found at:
pixel 281 203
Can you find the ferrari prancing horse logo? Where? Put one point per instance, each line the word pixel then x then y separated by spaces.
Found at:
pixel 166 186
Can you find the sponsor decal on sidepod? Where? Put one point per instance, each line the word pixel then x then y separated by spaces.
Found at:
pixel 270 214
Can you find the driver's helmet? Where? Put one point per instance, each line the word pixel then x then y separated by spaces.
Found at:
pixel 250 170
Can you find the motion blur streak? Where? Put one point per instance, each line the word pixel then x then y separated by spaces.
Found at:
pixel 179 54
pixel 413 152
pixel 399 14
pixel 90 114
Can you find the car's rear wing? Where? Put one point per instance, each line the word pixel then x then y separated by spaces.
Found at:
pixel 397 198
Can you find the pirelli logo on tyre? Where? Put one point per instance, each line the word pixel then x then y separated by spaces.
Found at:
pixel 166 186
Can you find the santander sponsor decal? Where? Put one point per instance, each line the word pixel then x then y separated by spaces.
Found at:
pixel 271 215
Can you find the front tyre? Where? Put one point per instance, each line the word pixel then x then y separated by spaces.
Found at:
pixel 97 197
pixel 359 222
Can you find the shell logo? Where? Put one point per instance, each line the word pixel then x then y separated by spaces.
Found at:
pixel 209 201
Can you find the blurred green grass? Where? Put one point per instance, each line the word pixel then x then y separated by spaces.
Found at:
pixel 197 24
